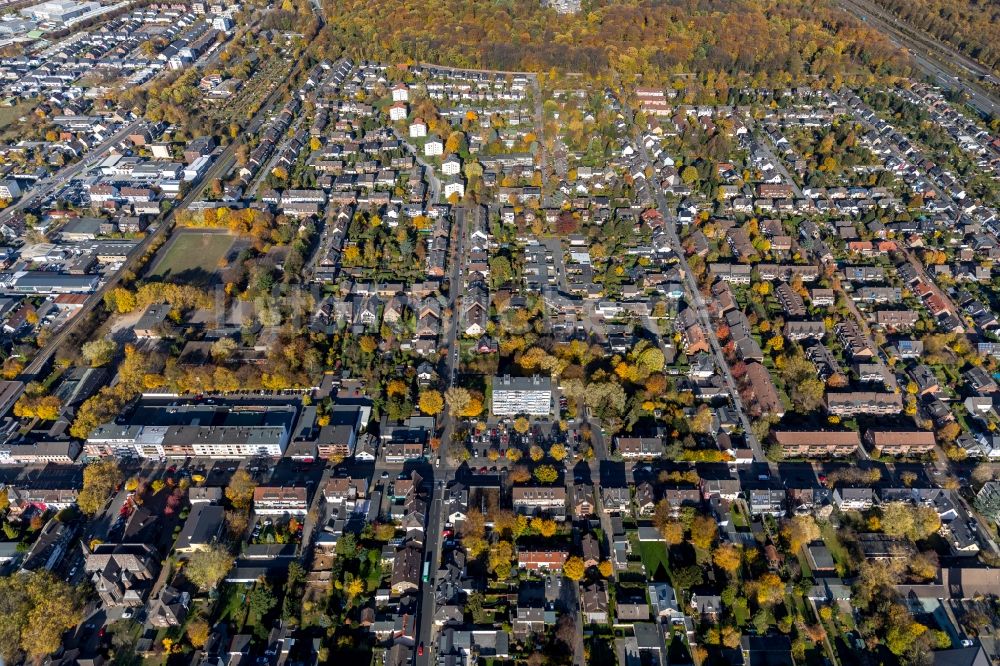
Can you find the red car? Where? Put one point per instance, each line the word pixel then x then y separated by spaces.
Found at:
pixel 420 649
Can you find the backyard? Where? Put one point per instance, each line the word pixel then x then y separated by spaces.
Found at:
pixel 654 557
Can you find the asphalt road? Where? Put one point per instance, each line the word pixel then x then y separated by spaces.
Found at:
pixel 937 60
pixel 68 173
pixel 222 165
pixel 40 361
pixel 698 303
pixel 443 471
pixel 764 142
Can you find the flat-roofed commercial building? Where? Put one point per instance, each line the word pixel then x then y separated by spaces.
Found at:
pixel 522 395
pixel 278 500
pixel 46 282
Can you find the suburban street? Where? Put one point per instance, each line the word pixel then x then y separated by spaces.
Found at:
pixel 695 298
pixel 443 471
pixel 763 140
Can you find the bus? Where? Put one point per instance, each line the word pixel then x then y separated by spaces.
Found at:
pixel 427 570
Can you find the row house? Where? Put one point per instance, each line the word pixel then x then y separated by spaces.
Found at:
pixel 639 447
pixel 854 403
pixel 801 443
pixel 403 451
pixel 539 560
pixel 877 295
pixel 896 320
pixel 822 297
pixel 786 272
pixel 732 273
pixel 530 500
pixel 791 301
pixel 895 443
pixel 854 341
pixel 766 501
pixel 805 330
pixel 854 499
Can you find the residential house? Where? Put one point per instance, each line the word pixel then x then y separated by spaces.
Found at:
pixel 169 608
pixel 121 573
pixel 406 569
pixel 535 560
pixel 645 499
pixel 764 396
pixel 615 500
pixel 594 603
pixel 201 529
pixel 853 403
pixel 901 443
pixel 854 499
pixel 639 447
pixel 631 607
pixel 280 500
pixel 583 500
pixel 534 499
pixel 767 501
pixel 345 490
pixel 805 443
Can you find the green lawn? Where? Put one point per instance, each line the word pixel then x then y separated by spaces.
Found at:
pixel 804 563
pixel 741 614
pixel 840 555
pixel 192 257
pixel 654 555
pixel 739 520
pixel 233 604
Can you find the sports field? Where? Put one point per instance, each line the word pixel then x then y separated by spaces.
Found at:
pixel 192 257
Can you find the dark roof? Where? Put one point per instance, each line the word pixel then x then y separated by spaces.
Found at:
pixel 767 650
pixel 971 656
pixel 202 525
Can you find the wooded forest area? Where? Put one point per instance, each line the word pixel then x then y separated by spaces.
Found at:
pixel 769 41
pixel 968 25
